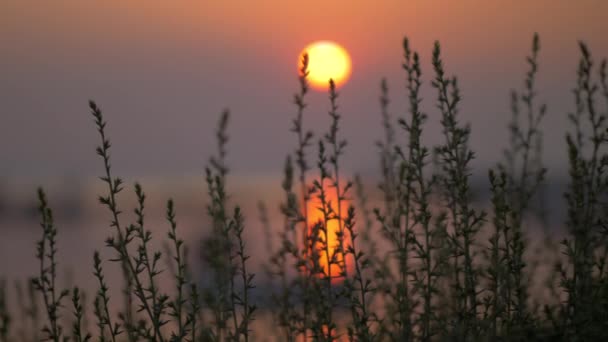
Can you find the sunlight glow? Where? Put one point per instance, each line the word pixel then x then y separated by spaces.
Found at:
pixel 327 60
pixel 315 215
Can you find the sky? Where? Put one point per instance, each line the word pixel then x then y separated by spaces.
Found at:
pixel 162 71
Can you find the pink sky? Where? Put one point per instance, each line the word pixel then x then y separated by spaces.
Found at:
pixel 163 70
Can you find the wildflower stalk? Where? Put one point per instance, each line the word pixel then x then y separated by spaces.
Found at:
pixel 455 157
pixel 369 244
pixel 45 283
pixel 102 303
pixel 219 246
pixel 497 253
pixel 98 312
pixel 194 312
pixel 230 258
pixel 146 262
pixel 78 335
pixel 325 324
pixel 395 225
pixel 123 235
pixel 337 149
pixel 177 305
pixel 524 151
pixel 588 184
pixel 287 314
pixel 243 299
pixel 128 313
pixel 387 150
pixel 304 139
pixel 359 289
pixel 425 245
pixel 388 186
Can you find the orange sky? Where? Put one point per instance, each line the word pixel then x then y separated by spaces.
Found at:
pixel 461 25
pixel 174 65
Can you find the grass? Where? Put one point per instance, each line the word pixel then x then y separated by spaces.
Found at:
pixel 427 264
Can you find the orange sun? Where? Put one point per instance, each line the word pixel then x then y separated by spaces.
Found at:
pixel 326 60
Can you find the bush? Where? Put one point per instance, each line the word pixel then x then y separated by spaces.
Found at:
pixel 428 264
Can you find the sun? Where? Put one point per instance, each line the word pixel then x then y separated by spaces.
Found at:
pixel 326 60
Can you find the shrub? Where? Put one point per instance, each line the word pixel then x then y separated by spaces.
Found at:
pixel 418 269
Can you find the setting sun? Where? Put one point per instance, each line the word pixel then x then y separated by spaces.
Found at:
pixel 326 60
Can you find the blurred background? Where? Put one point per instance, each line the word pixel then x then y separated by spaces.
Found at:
pixel 162 71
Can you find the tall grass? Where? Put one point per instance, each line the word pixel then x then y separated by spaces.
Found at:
pixel 427 264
